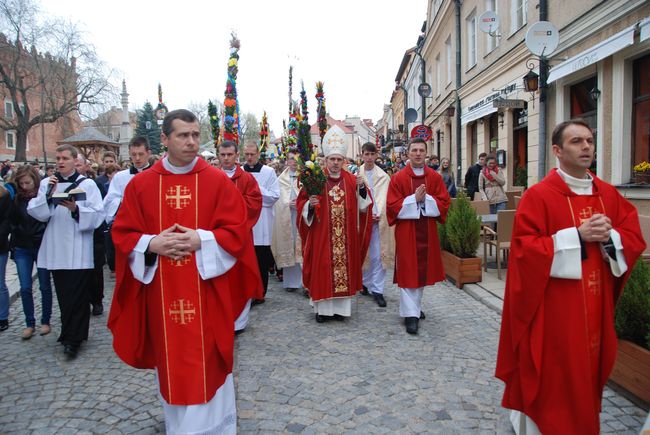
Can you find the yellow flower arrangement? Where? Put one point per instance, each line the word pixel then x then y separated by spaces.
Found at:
pixel 642 167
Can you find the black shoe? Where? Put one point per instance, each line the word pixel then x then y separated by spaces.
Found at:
pixel 320 319
pixel 365 291
pixel 70 350
pixel 422 316
pixel 305 292
pixel 257 302
pixel 379 298
pixel 339 317
pixel 239 331
pixel 4 325
pixel 290 289
pixel 98 309
pixel 411 324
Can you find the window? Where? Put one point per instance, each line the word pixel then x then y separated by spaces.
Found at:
pixel 438 77
pixel 519 15
pixel 471 40
pixel 10 139
pixel 491 41
pixel 449 58
pixel 583 106
pixel 641 111
pixel 9 109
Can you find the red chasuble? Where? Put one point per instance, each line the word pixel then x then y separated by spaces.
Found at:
pixel 246 281
pixel 558 344
pixel 179 324
pixel 333 248
pixel 417 249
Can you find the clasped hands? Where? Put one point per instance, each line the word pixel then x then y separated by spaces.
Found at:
pixel 175 242
pixel 596 228
pixel 420 193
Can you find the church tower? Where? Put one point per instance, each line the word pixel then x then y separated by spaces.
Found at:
pixel 126 132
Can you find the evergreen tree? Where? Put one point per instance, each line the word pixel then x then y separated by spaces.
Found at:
pixel 149 128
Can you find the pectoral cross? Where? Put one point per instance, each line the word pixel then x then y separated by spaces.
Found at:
pixel 178 197
pixel 593 282
pixel 182 311
pixel 585 214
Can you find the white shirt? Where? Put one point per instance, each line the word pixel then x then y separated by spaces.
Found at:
pixel 115 193
pixel 67 243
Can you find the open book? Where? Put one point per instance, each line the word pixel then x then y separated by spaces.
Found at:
pixel 77 194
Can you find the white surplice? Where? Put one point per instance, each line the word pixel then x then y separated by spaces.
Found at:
pixel 115 193
pixel 270 189
pixel 219 415
pixel 67 243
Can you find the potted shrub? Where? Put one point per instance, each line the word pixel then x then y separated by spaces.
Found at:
pixel 632 368
pixel 459 240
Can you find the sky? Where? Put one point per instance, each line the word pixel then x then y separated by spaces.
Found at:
pixel 354 46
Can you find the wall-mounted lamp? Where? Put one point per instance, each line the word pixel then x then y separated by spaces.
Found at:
pixel 502 119
pixel 594 94
pixel 531 81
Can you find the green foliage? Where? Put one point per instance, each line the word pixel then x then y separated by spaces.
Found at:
pixel 521 177
pixel 462 230
pixel 633 308
pixel 148 127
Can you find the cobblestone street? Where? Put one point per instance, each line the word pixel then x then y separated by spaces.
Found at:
pixel 363 375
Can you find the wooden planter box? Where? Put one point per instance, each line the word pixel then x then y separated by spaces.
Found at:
pixel 632 369
pixel 462 270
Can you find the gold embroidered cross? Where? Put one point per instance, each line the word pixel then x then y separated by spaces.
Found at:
pixel 178 197
pixel 180 262
pixel 593 282
pixel 335 138
pixel 585 214
pixel 182 311
pixel 336 193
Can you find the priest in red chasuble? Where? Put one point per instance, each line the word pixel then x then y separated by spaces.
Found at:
pixel 417 200
pixel 574 242
pixel 181 227
pixel 247 283
pixel 335 232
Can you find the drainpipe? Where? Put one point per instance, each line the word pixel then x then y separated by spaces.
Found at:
pixel 459 155
pixel 543 93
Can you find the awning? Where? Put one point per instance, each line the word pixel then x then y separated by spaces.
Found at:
pixel 644 25
pixel 596 53
pixel 477 113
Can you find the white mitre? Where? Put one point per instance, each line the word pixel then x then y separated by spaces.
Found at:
pixel 334 142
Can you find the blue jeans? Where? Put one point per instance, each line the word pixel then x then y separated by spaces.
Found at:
pixel 25 259
pixel 494 208
pixel 4 291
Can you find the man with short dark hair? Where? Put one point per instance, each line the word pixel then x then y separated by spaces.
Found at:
pixel 67 246
pixel 472 175
pixel 108 158
pixel 180 230
pixel 417 201
pixel 381 252
pixel 267 181
pixel 248 284
pixel 574 243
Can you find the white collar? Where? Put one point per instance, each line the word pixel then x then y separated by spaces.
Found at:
pixel 581 186
pixel 230 172
pixel 179 169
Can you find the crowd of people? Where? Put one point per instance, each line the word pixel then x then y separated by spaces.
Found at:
pixel 192 243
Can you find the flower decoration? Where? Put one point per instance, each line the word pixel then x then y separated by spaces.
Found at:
pixel 264 135
pixel 231 118
pixel 642 167
pixel 322 112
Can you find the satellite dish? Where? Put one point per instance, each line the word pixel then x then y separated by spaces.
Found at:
pixel 542 38
pixel 488 22
pixel 411 115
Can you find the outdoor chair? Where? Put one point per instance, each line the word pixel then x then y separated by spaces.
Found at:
pixel 500 238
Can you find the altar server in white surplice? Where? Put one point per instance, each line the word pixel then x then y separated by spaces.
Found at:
pixel 381 253
pixel 67 246
pixel 286 241
pixel 263 229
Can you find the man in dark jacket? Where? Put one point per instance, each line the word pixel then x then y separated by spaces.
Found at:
pixel 471 176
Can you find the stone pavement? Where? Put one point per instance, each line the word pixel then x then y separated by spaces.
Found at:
pixel 361 375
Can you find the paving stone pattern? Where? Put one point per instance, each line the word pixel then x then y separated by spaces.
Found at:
pixel 293 375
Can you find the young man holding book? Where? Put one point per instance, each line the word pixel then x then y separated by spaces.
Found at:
pixel 67 246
